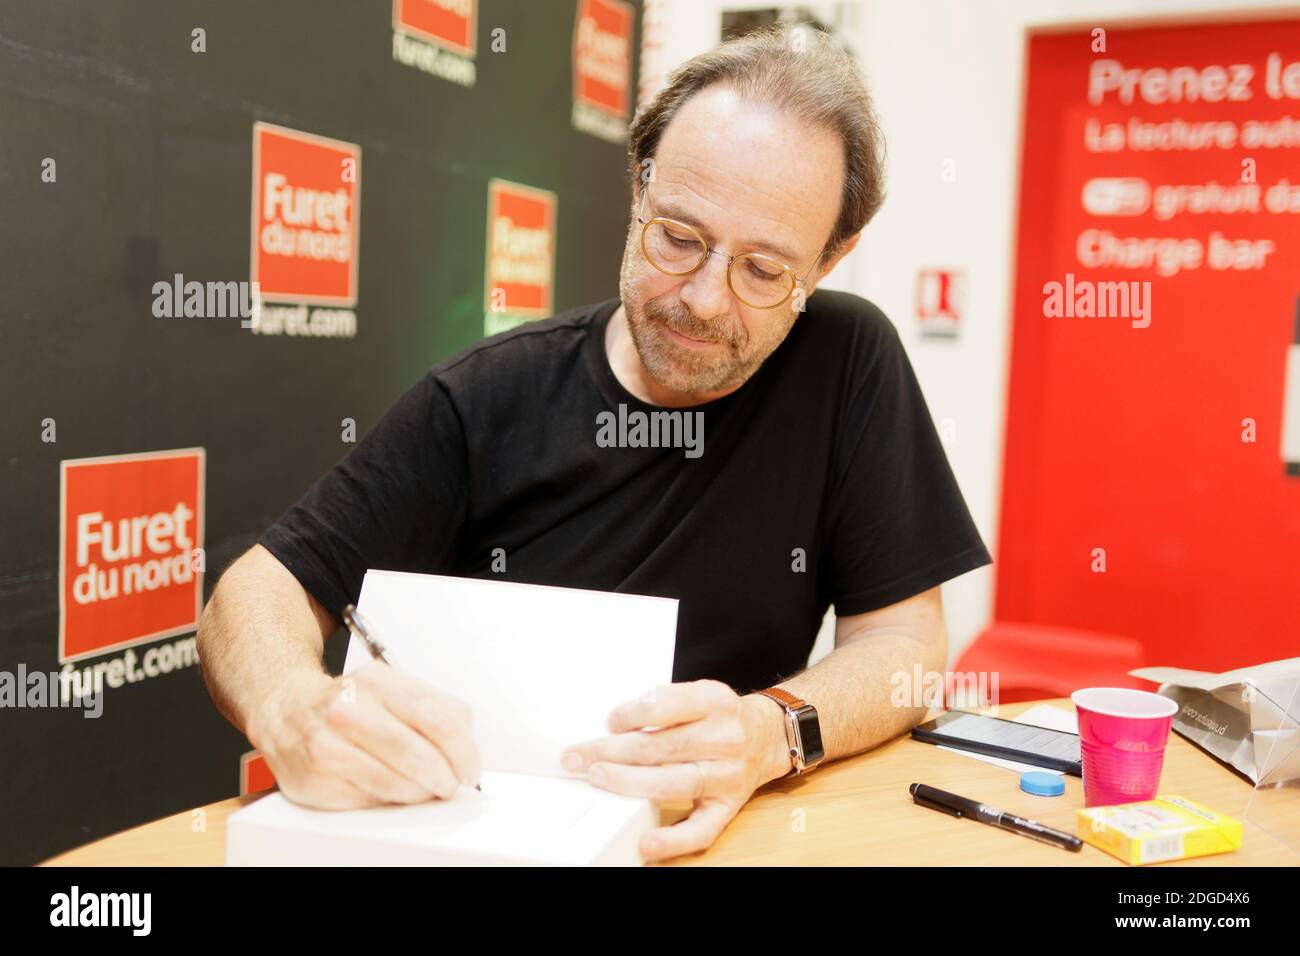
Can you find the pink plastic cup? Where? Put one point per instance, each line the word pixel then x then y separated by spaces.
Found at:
pixel 1122 735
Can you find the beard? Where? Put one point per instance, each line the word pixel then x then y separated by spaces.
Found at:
pixel 727 365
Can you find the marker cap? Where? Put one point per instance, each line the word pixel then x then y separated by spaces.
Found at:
pixel 1042 784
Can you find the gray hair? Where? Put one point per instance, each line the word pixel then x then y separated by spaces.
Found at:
pixel 804 72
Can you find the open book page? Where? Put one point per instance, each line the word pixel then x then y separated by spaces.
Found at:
pixel 541 667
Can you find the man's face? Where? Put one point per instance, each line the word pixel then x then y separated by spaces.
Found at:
pixel 748 179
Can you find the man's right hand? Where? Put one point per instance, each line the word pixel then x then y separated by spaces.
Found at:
pixel 375 736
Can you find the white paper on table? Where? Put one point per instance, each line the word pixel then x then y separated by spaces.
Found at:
pixel 541 667
pixel 1041 715
pixel 517 819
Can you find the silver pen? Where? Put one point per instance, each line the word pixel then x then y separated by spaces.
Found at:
pixel 356 624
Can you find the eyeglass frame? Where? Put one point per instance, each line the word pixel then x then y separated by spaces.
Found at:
pixel 709 250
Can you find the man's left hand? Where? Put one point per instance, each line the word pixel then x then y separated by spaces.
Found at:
pixel 699 742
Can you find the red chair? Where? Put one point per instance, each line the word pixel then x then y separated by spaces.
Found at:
pixel 1034 661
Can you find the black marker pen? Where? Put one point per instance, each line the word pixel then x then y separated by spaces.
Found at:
pixel 950 803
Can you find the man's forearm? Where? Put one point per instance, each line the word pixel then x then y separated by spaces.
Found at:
pixel 853 689
pixel 259 630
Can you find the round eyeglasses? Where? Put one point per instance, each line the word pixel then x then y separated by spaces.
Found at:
pixel 676 249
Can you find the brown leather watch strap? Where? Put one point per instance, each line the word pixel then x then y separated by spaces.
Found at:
pixel 783 697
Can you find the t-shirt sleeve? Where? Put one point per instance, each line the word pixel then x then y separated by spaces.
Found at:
pixel 899 525
pixel 396 501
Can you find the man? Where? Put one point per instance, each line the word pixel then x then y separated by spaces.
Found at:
pixel 820 481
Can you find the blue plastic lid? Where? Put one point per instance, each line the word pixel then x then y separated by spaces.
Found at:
pixel 1042 784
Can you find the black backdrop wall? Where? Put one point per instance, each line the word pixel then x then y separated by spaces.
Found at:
pixel 126 158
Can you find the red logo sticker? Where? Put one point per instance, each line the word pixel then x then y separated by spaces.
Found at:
pixel 128 529
pixel 451 24
pixel 940 301
pixel 602 56
pixel 520 249
pixel 306 217
pixel 254 773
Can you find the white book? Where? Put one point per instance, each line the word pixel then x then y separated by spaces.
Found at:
pixel 540 667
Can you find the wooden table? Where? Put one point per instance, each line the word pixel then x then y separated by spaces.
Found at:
pixel 852 812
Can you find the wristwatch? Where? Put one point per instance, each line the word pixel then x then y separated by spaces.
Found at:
pixel 803 731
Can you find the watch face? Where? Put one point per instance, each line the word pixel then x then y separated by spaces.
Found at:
pixel 810 735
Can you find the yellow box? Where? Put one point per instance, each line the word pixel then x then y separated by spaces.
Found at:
pixel 1166 828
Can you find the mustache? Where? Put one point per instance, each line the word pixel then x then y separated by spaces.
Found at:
pixel 685 322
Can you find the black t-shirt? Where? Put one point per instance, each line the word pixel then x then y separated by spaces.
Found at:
pixel 821 481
